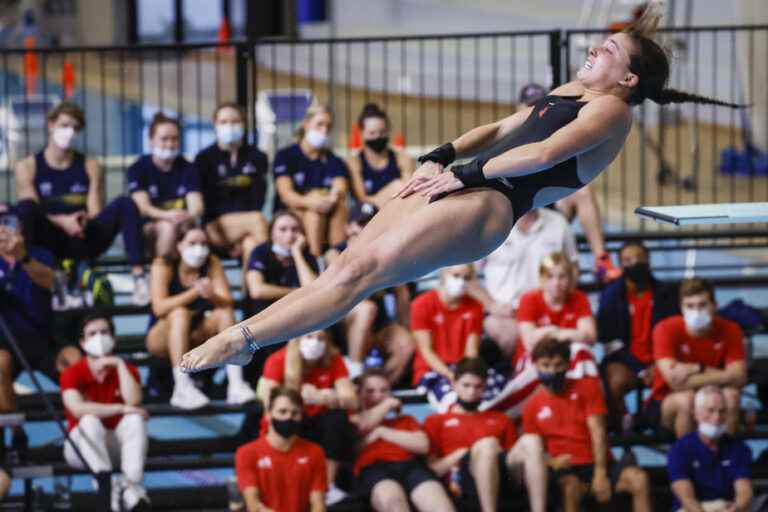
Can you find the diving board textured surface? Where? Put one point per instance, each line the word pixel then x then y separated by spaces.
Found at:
pixel 721 213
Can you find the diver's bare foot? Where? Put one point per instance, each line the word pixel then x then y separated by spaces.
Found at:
pixel 225 348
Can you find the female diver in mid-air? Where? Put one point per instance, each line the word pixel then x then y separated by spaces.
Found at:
pixel 527 160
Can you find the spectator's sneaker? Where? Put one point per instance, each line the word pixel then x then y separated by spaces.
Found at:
pixel 334 495
pixel 140 295
pixel 604 269
pixel 240 393
pixel 187 396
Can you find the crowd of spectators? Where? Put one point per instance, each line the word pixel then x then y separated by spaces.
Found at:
pixel 534 421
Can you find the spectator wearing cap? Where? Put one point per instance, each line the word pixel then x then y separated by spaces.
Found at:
pixel 369 324
pixel 378 170
pixel 709 470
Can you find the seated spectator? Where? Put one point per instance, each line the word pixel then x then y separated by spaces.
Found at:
pixel 692 350
pixel 513 269
pixel 191 301
pixel 447 323
pixel 368 325
pixel 570 416
pixel 233 178
pixel 26 281
pixel 629 309
pixel 313 366
pixel 61 202
pixel 389 465
pixel 377 171
pixel 102 403
pixel 480 451
pixel 312 181
pixel 281 471
pixel 708 469
pixel 165 187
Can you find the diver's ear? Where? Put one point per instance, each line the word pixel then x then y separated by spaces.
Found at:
pixel 630 80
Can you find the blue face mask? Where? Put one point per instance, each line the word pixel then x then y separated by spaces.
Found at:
pixel 555 382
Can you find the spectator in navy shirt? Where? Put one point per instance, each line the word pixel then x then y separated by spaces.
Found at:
pixel 709 470
pixel 26 280
pixel 313 182
pixel 61 201
pixel 165 187
pixel 233 179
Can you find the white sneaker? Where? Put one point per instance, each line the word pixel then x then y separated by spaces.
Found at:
pixel 187 396
pixel 140 295
pixel 240 393
pixel 334 495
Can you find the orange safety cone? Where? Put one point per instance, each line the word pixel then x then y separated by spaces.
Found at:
pixel 31 68
pixel 399 140
pixel 355 139
pixel 225 34
pixel 68 78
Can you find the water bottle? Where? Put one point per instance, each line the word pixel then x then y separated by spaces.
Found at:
pixel 236 501
pixel 374 359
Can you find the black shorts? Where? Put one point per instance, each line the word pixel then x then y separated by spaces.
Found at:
pixel 43 360
pixel 652 412
pixel 585 473
pixel 627 358
pixel 408 473
pixel 510 485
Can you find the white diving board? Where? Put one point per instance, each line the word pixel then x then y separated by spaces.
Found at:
pixel 721 213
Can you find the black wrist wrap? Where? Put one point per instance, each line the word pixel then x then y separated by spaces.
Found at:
pixel 470 174
pixel 444 155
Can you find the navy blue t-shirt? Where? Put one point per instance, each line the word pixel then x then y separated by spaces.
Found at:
pixel 62 190
pixel 275 272
pixel 26 306
pixel 376 179
pixel 167 190
pixel 711 473
pixel 307 174
pixel 227 188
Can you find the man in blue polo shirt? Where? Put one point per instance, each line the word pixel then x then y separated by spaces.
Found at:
pixel 708 469
pixel 26 281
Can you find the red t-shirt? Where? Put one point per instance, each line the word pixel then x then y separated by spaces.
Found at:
pixel 285 479
pixel 723 345
pixel 79 377
pixel 386 451
pixel 561 420
pixel 451 430
pixel 449 328
pixel 320 377
pixel 641 314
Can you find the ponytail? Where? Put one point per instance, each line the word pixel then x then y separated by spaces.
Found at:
pixel 667 96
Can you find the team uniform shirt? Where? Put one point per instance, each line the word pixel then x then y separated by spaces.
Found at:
pixel 561 420
pixel 711 472
pixel 320 377
pixel 382 450
pixel 722 346
pixel 513 268
pixel 231 188
pixel 79 377
pixel 285 479
pixel 641 314
pixel 265 261
pixel 376 179
pixel 62 190
pixel 307 174
pixel 451 431
pixel 167 190
pixel 449 328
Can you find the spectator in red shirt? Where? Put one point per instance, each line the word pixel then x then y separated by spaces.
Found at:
pixel 693 350
pixel 389 465
pixel 480 450
pixel 102 397
pixel 447 324
pixel 312 366
pixel 570 416
pixel 280 471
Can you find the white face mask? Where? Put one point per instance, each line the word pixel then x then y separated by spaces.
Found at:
pixel 711 431
pixel 316 139
pixel 226 134
pixel 99 345
pixel 455 287
pixel 697 320
pixel 165 153
pixel 280 250
pixel 63 137
pixel 312 348
pixel 195 255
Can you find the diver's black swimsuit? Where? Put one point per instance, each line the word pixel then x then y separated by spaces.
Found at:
pixel 544 187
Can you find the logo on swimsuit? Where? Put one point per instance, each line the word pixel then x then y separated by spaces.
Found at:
pixel 543 111
pixel 45 188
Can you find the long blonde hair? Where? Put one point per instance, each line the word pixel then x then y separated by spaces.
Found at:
pixel 557 259
pixel 313 110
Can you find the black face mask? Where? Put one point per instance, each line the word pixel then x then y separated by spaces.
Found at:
pixel 377 145
pixel 640 274
pixel 286 428
pixel 468 406
pixel 555 382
